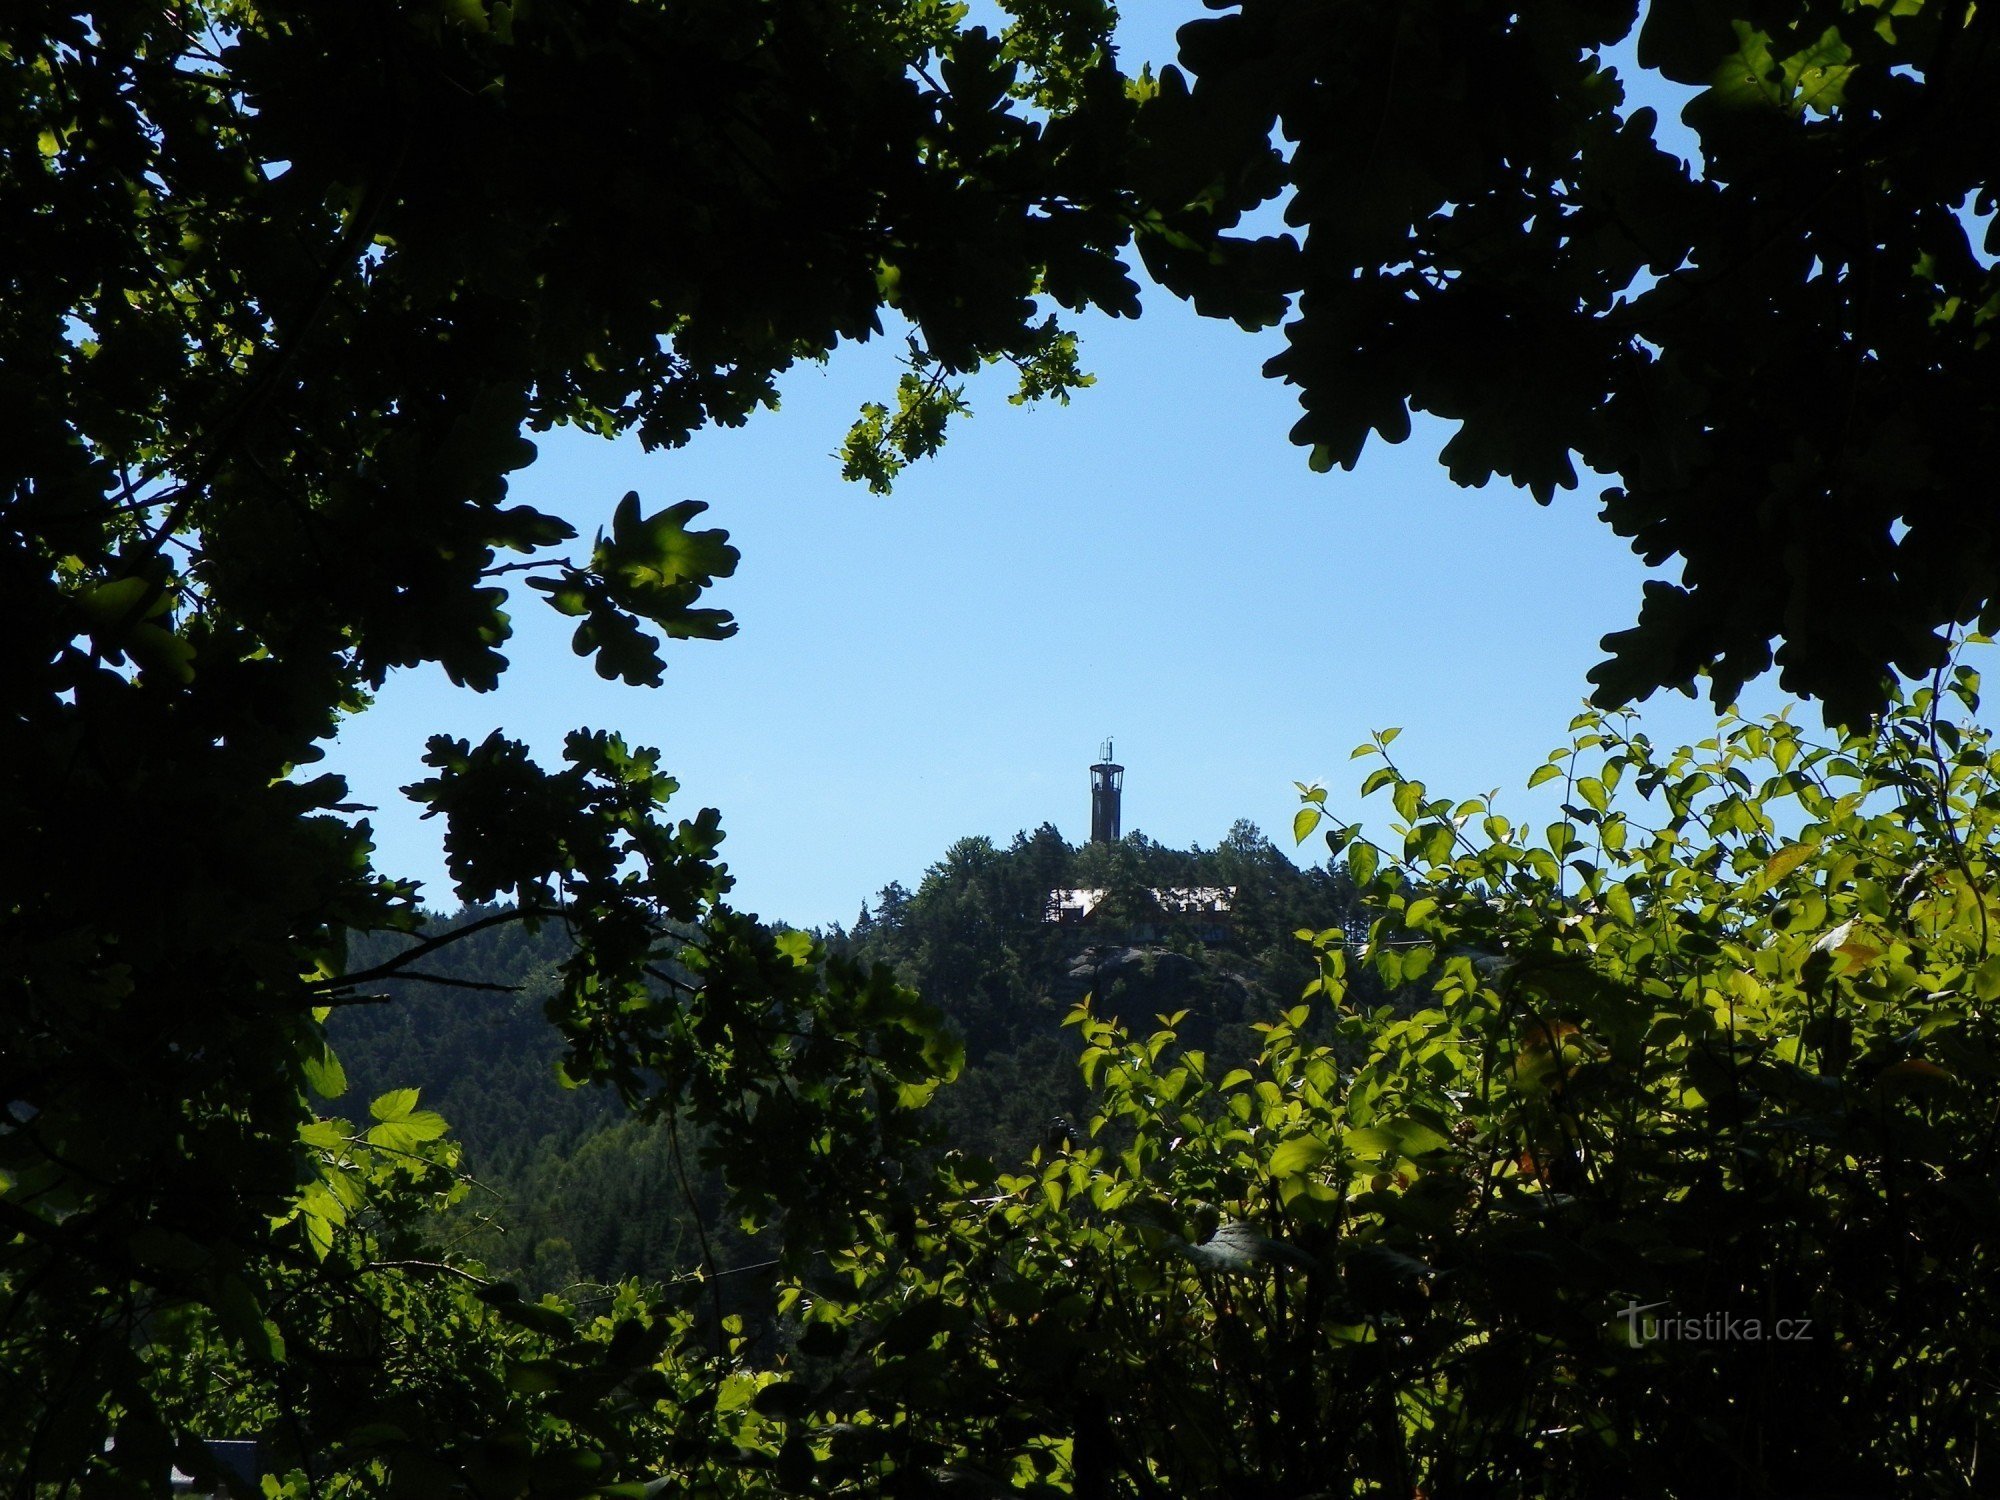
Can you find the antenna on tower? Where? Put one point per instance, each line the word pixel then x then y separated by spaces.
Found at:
pixel 1107 791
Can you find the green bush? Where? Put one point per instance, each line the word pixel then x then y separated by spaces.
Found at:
pixel 1677 1180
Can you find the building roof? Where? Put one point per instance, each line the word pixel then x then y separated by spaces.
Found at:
pixel 1078 903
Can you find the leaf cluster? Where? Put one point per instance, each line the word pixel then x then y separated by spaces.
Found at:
pixel 1778 351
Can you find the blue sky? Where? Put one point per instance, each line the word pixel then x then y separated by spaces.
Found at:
pixel 1154 562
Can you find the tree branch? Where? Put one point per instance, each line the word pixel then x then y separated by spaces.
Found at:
pixel 426 977
pixel 390 968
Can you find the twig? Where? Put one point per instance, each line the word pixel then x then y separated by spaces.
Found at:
pixel 427 1265
pixel 700 1228
pixel 390 967
pixel 424 976
pixel 1944 808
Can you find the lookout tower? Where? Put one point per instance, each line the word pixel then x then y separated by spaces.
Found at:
pixel 1107 786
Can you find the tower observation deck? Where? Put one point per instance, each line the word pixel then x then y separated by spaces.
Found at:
pixel 1107 790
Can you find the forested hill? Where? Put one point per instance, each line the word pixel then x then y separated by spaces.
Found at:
pixel 975 940
pixel 580 1192
pixel 485 1059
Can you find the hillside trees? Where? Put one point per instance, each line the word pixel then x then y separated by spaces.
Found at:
pixel 572 1194
pixel 975 940
pixel 486 1060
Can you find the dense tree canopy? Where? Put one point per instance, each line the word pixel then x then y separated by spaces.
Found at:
pixel 1780 356
pixel 285 286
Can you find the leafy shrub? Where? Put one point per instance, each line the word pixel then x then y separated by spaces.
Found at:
pixel 1670 1174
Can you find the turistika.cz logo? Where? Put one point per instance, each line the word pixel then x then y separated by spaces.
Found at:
pixel 1642 1326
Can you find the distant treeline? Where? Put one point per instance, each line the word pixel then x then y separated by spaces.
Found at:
pixel 578 1191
